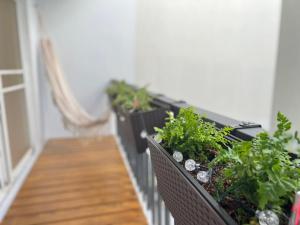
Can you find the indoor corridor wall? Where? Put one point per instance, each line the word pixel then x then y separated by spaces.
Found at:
pixel 94 41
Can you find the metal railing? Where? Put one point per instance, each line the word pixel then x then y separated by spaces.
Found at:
pixel 144 179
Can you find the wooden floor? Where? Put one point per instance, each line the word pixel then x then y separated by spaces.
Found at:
pixel 77 182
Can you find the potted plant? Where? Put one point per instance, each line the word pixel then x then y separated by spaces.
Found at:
pixel 261 175
pixel 137 114
pixel 210 192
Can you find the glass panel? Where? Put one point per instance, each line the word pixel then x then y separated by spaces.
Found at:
pixel 17 123
pixel 11 80
pixel 9 40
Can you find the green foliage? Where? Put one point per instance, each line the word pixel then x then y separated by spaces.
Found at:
pixel 129 98
pixel 134 100
pixel 118 87
pixel 191 135
pixel 262 170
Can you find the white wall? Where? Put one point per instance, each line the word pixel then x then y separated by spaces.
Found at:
pixel 95 42
pixel 216 54
pixel 287 87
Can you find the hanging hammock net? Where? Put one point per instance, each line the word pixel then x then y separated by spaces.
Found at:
pixel 75 118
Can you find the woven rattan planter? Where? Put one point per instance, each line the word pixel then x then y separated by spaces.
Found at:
pixel 187 200
pixel 122 124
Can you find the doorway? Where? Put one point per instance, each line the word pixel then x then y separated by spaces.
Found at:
pixel 15 141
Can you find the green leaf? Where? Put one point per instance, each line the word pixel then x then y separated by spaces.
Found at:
pixel 128 98
pixel 263 195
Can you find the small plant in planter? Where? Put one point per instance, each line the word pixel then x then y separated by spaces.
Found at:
pixel 190 135
pixel 134 100
pixel 180 153
pixel 137 114
pixel 117 87
pixel 254 181
pixel 261 174
pixel 129 98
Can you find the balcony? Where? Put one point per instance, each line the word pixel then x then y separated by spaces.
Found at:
pixel 72 153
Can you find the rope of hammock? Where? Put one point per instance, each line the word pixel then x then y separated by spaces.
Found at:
pixel 75 117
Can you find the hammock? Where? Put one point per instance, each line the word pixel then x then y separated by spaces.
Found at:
pixel 75 118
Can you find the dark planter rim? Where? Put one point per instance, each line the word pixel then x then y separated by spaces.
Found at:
pixel 197 186
pixel 127 112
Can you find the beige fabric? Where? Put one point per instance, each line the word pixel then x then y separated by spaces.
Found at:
pixel 75 117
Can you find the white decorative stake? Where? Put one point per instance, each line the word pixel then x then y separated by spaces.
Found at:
pixel 178 156
pixel 267 217
pixel 190 165
pixel 143 134
pixel 148 151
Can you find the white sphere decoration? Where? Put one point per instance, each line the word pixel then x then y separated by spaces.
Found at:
pixel 148 150
pixel 190 165
pixel 203 176
pixel 122 118
pixel 178 156
pixel 143 134
pixel 267 217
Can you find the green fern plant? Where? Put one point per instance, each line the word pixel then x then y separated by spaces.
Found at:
pixel 191 135
pixel 129 98
pixel 134 100
pixel 117 88
pixel 262 171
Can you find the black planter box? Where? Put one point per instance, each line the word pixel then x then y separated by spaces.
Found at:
pixel 131 125
pixel 186 199
pixel 122 124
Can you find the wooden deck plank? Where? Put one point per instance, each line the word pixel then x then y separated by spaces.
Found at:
pixel 76 185
pixel 77 182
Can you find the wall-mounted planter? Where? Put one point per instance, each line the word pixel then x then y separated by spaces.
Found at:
pixel 137 125
pixel 122 124
pixel 187 200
